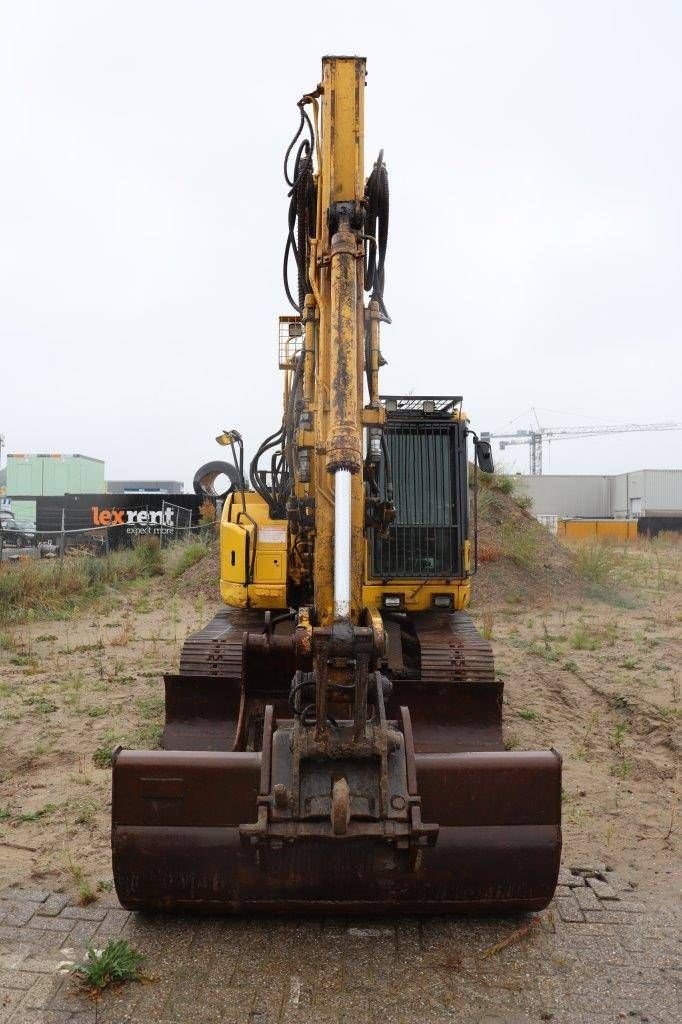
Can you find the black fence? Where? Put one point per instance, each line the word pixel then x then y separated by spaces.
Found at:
pixel 104 522
pixel 651 526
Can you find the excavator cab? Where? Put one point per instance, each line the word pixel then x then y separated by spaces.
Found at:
pixel 333 739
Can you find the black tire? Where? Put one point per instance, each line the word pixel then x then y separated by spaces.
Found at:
pixel 206 475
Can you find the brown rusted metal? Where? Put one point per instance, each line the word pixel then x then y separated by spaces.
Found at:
pixel 177 846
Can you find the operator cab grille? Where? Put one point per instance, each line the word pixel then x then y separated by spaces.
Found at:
pixel 429 469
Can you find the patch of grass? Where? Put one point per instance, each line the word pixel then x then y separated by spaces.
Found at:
pixel 42 704
pixel 117 963
pixel 86 894
pixel 629 663
pixel 187 555
pixel 570 666
pixel 618 734
pixel 148 556
pixel 22 819
pixel 147 736
pixel 6 642
pixel 21 660
pixel 612 596
pixel 97 712
pixel 85 812
pixel 5 814
pixel 582 640
pixel 519 544
pixel 103 757
pixel 595 562
pixel 528 715
pixel 150 707
pixel 46 587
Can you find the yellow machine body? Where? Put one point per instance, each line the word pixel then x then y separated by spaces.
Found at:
pixel 253 555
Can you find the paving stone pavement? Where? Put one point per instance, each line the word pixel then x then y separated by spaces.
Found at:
pixel 602 952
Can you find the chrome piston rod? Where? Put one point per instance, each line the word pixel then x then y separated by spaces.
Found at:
pixel 342 523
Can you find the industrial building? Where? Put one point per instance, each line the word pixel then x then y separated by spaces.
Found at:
pixel 645 492
pixel 34 476
pixel 144 487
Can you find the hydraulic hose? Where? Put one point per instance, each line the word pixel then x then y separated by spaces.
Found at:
pixel 377 205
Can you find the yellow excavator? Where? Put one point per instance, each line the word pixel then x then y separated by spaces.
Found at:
pixel 333 741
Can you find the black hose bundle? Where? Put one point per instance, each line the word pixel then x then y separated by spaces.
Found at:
pixel 276 490
pixel 302 211
pixel 376 230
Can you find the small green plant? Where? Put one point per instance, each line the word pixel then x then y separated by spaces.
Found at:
pixel 86 894
pixel 628 663
pixel 102 757
pixel 570 666
pixel 21 660
pixel 29 816
pixel 41 704
pixel 618 734
pixel 97 712
pixel 583 641
pixel 5 813
pixel 117 963
pixel 528 715
pixel 6 642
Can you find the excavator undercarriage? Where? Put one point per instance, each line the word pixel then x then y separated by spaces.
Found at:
pixel 333 739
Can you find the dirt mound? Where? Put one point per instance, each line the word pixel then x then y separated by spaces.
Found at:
pixel 520 561
pixel 202 579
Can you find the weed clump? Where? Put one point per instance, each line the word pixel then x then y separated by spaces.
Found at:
pixel 117 963
pixel 596 563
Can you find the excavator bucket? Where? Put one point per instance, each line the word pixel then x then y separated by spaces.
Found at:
pixel 180 842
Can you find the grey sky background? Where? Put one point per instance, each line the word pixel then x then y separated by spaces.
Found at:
pixel 535 160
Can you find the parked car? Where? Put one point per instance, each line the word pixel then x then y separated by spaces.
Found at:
pixel 19 533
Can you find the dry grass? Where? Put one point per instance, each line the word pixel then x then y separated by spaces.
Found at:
pixel 55 588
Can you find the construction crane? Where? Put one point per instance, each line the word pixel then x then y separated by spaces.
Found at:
pixel 333 740
pixel 535 438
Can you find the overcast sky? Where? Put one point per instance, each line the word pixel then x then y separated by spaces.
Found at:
pixel 535 159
